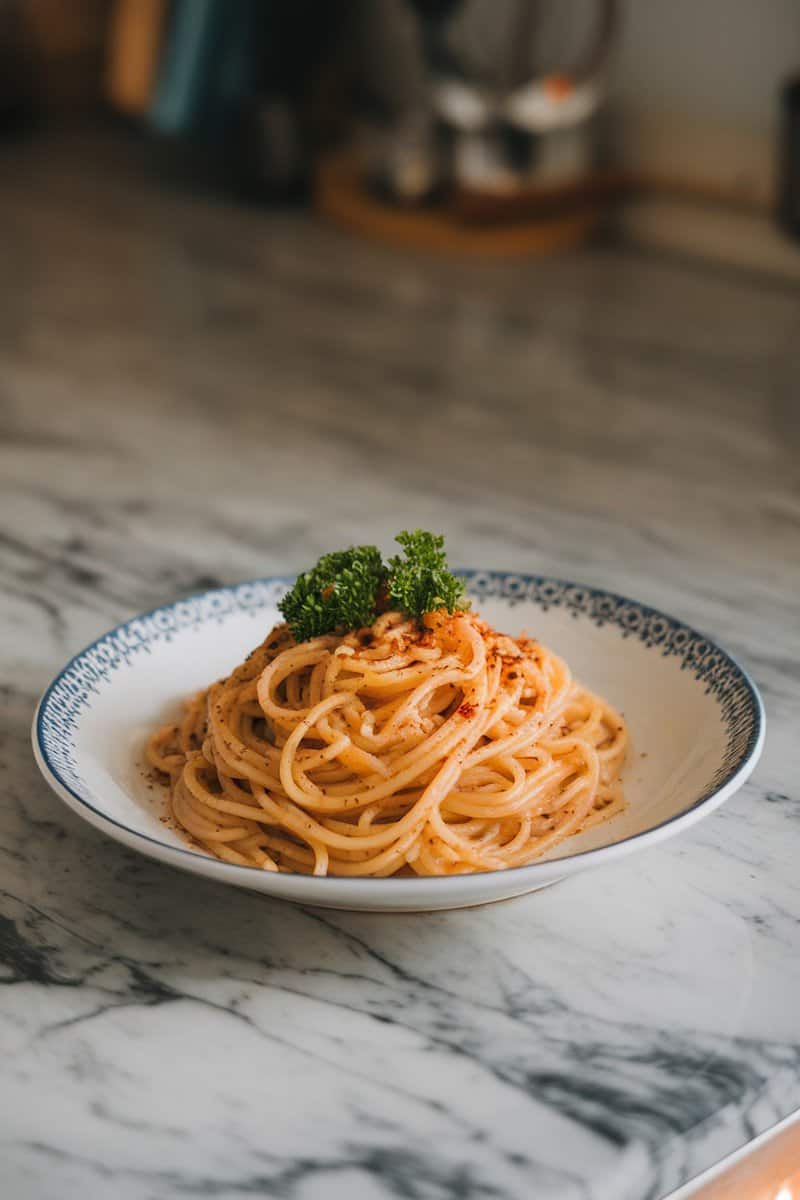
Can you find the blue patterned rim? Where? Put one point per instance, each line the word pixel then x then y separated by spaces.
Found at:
pixel 740 705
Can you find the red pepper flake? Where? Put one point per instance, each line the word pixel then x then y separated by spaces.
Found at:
pixel 328 591
pixel 467 710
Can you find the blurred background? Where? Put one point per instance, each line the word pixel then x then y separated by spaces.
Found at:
pixel 517 267
pixel 481 126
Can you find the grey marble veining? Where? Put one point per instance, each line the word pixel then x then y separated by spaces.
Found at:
pixel 190 392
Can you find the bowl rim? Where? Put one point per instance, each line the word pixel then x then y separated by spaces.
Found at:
pixel 188 858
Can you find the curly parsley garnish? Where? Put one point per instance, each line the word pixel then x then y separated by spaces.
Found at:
pixel 347 589
pixel 419 579
pixel 339 593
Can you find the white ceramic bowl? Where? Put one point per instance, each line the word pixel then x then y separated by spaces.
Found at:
pixel 695 718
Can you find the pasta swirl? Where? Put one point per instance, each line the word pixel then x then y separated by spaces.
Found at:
pixel 401 748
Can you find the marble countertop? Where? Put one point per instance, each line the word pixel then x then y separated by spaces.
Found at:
pixel 190 393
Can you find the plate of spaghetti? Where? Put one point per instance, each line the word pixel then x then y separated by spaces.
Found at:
pixel 390 735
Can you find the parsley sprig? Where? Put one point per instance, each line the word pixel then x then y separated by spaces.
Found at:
pixel 347 589
pixel 419 579
pixel 337 594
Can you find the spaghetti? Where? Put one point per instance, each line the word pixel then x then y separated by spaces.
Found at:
pixel 401 748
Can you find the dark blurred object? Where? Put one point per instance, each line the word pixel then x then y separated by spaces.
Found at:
pixel 236 80
pixel 789 185
pixel 499 99
pixel 297 40
pixel 476 130
pixel 17 92
pixel 68 41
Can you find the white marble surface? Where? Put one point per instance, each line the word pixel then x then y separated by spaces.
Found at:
pixel 188 393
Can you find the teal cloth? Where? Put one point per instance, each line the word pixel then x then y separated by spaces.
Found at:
pixel 209 67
